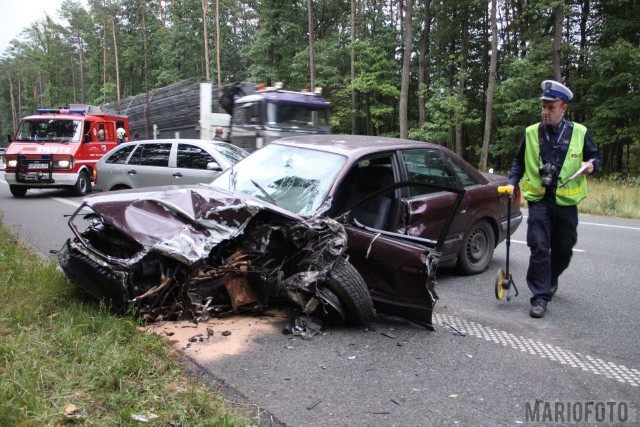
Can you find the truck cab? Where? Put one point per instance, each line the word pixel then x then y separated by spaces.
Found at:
pixel 272 113
pixel 58 148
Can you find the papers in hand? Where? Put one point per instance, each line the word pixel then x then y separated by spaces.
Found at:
pixel 578 173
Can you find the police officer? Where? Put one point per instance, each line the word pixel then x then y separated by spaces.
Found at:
pixel 550 153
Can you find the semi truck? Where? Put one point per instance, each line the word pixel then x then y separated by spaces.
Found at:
pixel 258 114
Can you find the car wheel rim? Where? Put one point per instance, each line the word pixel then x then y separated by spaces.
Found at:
pixel 477 246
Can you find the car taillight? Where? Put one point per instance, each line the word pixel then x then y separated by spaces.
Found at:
pixel 94 175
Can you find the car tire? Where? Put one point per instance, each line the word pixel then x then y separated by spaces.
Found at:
pixel 477 248
pixel 83 185
pixel 18 190
pixel 350 288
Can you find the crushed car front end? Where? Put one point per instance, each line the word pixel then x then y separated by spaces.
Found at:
pixel 198 252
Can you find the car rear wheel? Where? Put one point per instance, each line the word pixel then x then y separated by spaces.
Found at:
pixel 477 248
pixel 18 190
pixel 83 185
pixel 348 285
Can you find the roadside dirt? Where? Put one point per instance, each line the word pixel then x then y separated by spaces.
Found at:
pixel 218 338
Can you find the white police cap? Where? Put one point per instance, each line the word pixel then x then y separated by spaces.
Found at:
pixel 555 91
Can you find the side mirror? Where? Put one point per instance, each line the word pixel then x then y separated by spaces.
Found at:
pixel 213 166
pixel 9 138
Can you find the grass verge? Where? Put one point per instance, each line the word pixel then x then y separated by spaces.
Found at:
pixel 615 196
pixel 66 360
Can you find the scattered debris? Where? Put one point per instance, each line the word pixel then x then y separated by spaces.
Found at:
pixel 457 331
pixel 143 418
pixel 305 326
pixel 313 404
pixel 225 333
pixel 388 335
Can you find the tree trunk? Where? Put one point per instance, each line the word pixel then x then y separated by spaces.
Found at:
pixel 406 70
pixel 115 52
pixel 423 72
pixel 557 41
pixel 312 64
pixel 14 117
pixel 205 12
pixel 490 88
pixel 218 47
pixel 353 67
pixel 461 83
pixel 104 60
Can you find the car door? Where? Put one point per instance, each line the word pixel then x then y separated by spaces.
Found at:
pixel 193 165
pixel 110 171
pixel 426 208
pixel 399 269
pixel 149 165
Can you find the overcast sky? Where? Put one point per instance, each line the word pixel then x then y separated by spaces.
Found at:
pixel 16 15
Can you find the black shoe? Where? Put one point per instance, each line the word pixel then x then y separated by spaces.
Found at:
pixel 554 287
pixel 538 310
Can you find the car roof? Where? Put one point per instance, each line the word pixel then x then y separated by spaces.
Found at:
pixel 354 145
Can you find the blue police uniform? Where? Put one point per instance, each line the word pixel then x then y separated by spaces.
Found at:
pixel 551 228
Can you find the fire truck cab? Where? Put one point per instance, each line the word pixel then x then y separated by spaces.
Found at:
pixel 58 148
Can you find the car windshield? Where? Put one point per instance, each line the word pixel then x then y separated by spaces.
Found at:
pixel 231 152
pixel 293 178
pixel 53 130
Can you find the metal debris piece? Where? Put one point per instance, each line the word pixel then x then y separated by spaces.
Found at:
pixel 226 333
pixel 458 332
pixel 305 326
pixel 313 404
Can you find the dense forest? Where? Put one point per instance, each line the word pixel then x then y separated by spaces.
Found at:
pixel 462 73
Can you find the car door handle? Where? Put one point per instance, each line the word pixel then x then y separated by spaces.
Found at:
pixel 177 175
pixel 132 172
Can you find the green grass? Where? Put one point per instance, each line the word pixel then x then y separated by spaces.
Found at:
pixel 58 350
pixel 616 196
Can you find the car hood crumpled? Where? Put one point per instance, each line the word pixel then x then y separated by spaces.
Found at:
pixel 184 223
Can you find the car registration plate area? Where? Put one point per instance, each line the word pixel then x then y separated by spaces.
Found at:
pixel 32 166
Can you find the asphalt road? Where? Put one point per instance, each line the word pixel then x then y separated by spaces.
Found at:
pixel 487 363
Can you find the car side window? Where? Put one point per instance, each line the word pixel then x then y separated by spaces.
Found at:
pixel 428 166
pixel 155 154
pixel 119 157
pixel 193 157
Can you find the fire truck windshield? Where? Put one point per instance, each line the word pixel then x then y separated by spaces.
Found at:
pixel 50 130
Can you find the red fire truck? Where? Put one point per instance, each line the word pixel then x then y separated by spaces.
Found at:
pixel 58 148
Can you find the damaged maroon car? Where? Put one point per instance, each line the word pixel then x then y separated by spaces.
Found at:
pixel 338 225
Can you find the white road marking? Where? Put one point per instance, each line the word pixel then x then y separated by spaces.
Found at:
pixel 524 243
pixel 585 362
pixel 65 201
pixel 595 224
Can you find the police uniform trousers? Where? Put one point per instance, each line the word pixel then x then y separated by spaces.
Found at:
pixel 552 231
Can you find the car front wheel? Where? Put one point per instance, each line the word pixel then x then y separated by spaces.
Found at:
pixel 346 283
pixel 83 185
pixel 477 248
pixel 18 190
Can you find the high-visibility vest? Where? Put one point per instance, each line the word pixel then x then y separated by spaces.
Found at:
pixel 570 194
